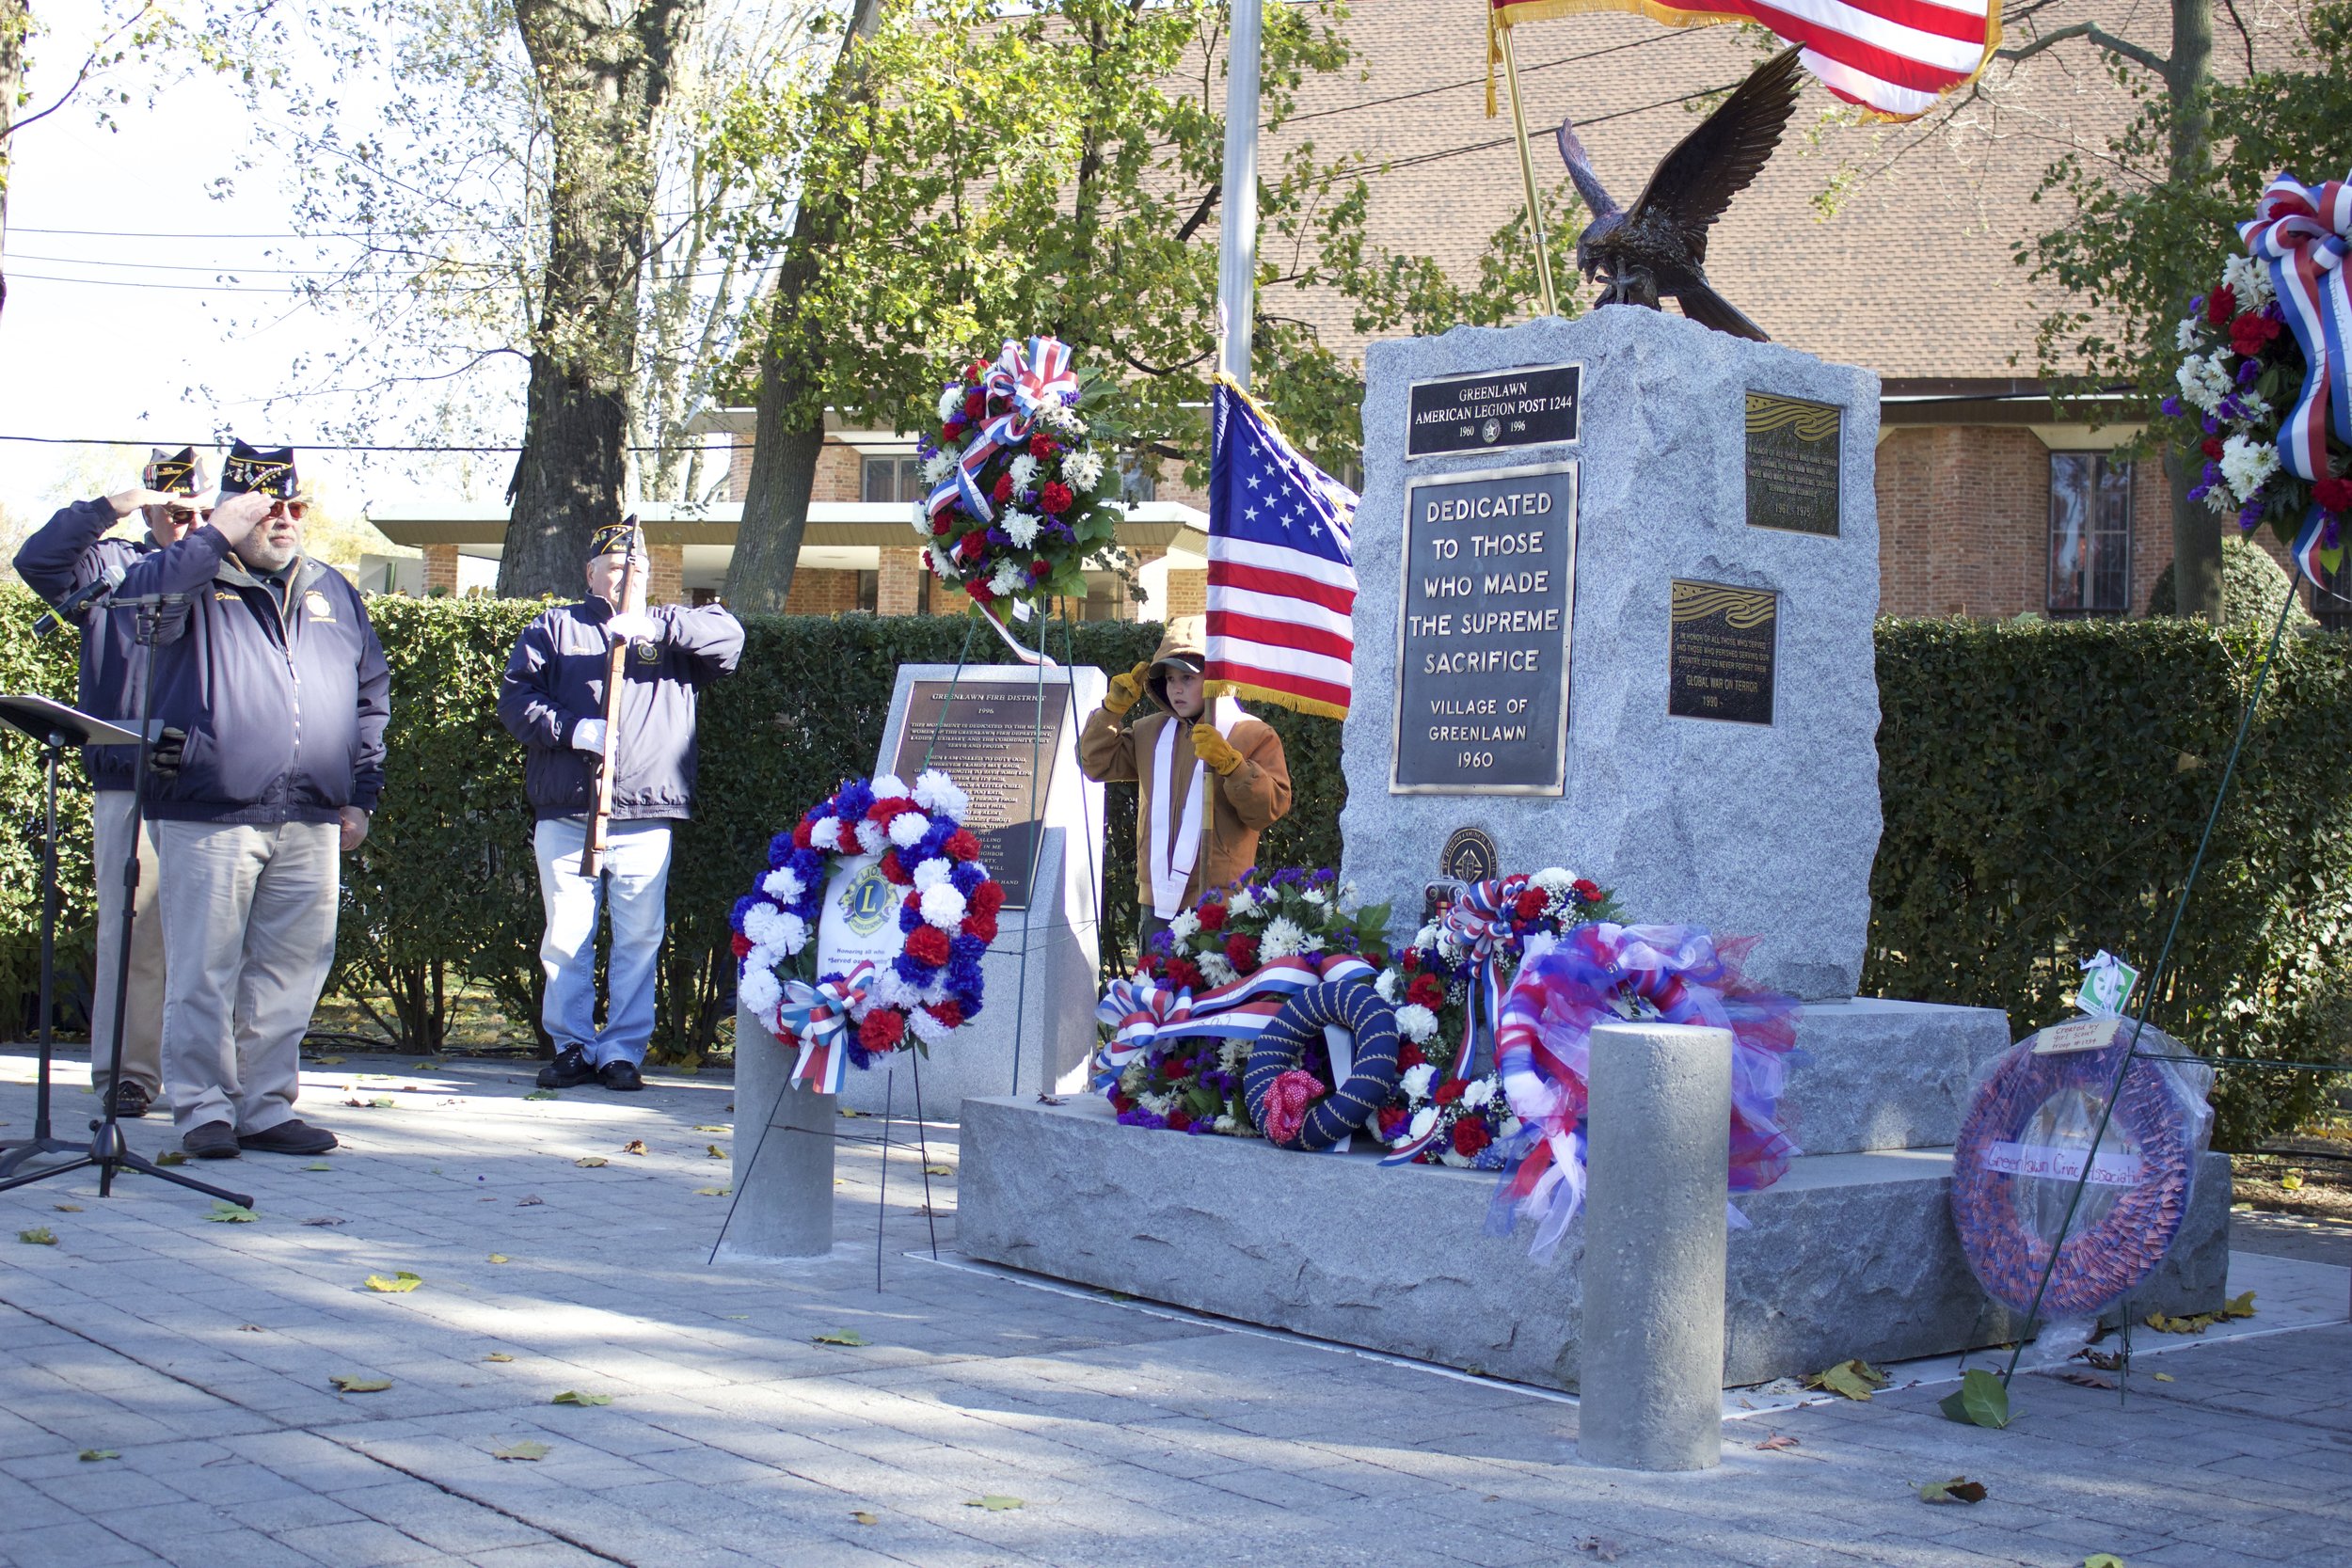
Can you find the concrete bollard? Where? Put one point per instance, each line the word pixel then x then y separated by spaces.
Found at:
pixel 784 1154
pixel 1651 1360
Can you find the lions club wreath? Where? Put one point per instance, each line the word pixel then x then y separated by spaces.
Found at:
pixel 916 844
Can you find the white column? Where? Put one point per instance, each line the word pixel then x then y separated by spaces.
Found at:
pixel 1237 246
pixel 1651 1366
pixel 782 1204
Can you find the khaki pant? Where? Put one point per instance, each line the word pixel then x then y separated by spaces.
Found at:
pixel 249 917
pixel 114 818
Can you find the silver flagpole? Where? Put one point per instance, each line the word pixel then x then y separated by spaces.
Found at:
pixel 1237 246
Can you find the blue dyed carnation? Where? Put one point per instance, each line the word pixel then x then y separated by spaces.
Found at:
pixel 965 948
pixel 965 875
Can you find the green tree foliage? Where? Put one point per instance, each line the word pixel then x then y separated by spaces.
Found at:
pixel 2253 587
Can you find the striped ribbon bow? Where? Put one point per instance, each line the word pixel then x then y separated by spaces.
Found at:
pixel 2301 233
pixel 1034 381
pixel 819 1015
pixel 1475 921
pixel 1141 1012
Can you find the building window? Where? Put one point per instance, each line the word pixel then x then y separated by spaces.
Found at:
pixel 2090 534
pixel 2332 596
pixel 1135 484
pixel 868 590
pixel 893 478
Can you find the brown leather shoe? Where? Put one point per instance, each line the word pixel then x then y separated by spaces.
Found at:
pixel 211 1140
pixel 289 1137
pixel 131 1100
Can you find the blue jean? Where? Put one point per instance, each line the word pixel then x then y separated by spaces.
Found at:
pixel 636 881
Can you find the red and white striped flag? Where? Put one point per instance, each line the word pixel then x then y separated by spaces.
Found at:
pixel 1894 58
pixel 1282 567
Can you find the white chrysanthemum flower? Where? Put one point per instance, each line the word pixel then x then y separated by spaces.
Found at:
pixel 2248 463
pixel 2252 408
pixel 920 517
pixel 759 958
pixel 1233 1056
pixel 937 466
pixel 907 827
pixel 827 834
pixel 870 837
pixel 1010 579
pixel 950 399
pixel 1311 946
pixel 1226 1125
pixel 792 933
pixel 1158 1104
pixel 1446 1157
pixel 762 924
pixel 1242 902
pixel 1024 470
pixel 2202 381
pixel 1423 1120
pixel 934 791
pixel 1019 526
pixel 1317 898
pixel 1416 1081
pixel 2250 280
pixel 889 787
pixel 1386 985
pixel 1283 938
pixel 1416 1022
pixel 1184 927
pixel 1479 1093
pixel 1061 422
pixel 938 565
pixel 1554 880
pixel 759 990
pixel 942 905
pixel 1082 469
pixel 891 990
pixel 931 872
pixel 783 884
pixel 2185 334
pixel 1216 970
pixel 926 1028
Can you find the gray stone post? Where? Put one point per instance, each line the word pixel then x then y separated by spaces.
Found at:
pixel 1652 1359
pixel 784 1155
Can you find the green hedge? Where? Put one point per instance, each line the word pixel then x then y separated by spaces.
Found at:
pixel 2043 787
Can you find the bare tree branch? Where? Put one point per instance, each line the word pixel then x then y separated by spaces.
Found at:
pixel 2098 36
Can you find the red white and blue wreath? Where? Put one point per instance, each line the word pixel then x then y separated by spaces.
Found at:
pixel 933 986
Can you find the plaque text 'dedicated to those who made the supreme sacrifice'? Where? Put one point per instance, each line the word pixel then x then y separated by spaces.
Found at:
pixel 1483 632
pixel 992 743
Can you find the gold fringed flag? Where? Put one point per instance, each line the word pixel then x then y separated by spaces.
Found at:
pixel 1892 57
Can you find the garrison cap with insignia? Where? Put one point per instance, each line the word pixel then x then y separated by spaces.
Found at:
pixel 268 473
pixel 622 538
pixel 180 473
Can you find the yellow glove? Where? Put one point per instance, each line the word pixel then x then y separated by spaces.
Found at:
pixel 1214 749
pixel 1126 690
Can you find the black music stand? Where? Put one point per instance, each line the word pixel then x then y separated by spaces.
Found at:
pixel 56 726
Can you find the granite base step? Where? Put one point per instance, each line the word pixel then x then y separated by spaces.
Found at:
pixel 1849 1254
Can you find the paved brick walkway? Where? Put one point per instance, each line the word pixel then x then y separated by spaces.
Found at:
pixel 202 1354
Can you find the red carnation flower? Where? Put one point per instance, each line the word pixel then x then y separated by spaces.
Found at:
pixel 2220 305
pixel 883 811
pixel 980 926
pixel 950 1012
pixel 1121 1102
pixel 2251 332
pixel 1531 903
pixel 893 868
pixel 2332 494
pixel 1470 1135
pixel 1450 1091
pixel 927 943
pixel 1427 990
pixel 1408 1056
pixel 950 433
pixel 1587 890
pixel 987 899
pixel 1179 1121
pixel 1212 917
pixel 1040 446
pixel 978 591
pixel 972 546
pixel 975 404
pixel 881 1031
pixel 1056 498
pixel 962 845
pixel 1039 567
pixel 2210 446
pixel 741 943
pixel 1174 1069
pixel 1392 1119
pixel 803 838
pixel 1242 953
pixel 941 523
pixel 1411 960
pixel 976 369
pixel 1003 492
pixel 1184 972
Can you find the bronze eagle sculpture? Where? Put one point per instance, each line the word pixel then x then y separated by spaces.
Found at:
pixel 1658 246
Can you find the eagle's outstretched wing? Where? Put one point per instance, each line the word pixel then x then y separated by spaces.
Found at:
pixel 1715 162
pixel 1588 185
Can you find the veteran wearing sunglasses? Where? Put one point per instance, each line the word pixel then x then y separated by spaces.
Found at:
pixel 77 553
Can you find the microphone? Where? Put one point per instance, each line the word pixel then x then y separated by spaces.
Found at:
pixel 69 607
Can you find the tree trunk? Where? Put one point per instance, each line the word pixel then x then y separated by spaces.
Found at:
pixel 16 21
pixel 2188 83
pixel 788 430
pixel 602 81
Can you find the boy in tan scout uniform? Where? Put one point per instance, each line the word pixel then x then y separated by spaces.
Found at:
pixel 1211 778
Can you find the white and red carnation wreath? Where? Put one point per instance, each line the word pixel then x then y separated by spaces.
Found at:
pixel 931 988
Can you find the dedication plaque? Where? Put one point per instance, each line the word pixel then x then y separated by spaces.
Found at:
pixel 1529 405
pixel 1720 657
pixel 991 744
pixel 1481 633
pixel 1793 451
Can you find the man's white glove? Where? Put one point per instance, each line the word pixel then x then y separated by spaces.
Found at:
pixel 635 626
pixel 588 736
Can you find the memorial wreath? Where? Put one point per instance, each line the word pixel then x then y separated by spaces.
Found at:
pixel 947 915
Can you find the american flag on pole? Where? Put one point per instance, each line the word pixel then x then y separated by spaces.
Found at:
pixel 1894 58
pixel 1281 565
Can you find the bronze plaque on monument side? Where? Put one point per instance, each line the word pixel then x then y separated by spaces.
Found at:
pixel 1719 659
pixel 989 739
pixel 1793 463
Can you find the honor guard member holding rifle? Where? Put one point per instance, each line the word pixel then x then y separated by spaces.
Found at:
pixel 74 564
pixel 602 694
pixel 272 693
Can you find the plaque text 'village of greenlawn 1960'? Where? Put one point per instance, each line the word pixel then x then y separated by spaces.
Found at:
pixel 1483 633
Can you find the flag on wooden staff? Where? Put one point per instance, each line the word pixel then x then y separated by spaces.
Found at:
pixel 1281 565
pixel 1894 58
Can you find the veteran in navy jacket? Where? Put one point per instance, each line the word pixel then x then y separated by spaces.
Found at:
pixel 274 692
pixel 553 700
pixel 73 554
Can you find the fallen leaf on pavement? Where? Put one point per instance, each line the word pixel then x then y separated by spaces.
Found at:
pixel 1607 1551
pixel 524 1450
pixel 91 1456
pixel 715 1151
pixel 542 1094
pixel 231 1213
pixel 1776 1441
pixel 2084 1380
pixel 499 1258
pixel 67 1208
pixel 1854 1380
pixel 2164 1377
pixel 847 1112
pixel 401 1283
pixel 351 1383
pixel 1049 1100
pixel 498 1355
pixel 2103 1560
pixel 573 1396
pixel 1981 1399
pixel 838 1336
pixel 993 1502
pixel 2292 1181
pixel 328 1061
pixel 590 1162
pixel 324 1219
pixel 712 1126
pixel 634 1145
pixel 39 1235
pixel 937 1170
pixel 318 1165
pixel 712 1191
pixel 171 1157
pixel 1959 1489
pixel 863 1518
pixel 527 1202
pixel 251 1328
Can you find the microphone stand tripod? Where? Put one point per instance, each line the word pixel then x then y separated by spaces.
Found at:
pixel 55 730
pixel 108 1152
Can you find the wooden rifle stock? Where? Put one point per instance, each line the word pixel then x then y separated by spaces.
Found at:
pixel 616 674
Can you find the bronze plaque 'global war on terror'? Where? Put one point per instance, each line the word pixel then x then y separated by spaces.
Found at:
pixel 990 739
pixel 1719 657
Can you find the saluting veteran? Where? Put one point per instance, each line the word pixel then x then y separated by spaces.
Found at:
pixel 553 700
pixel 274 692
pixel 70 553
